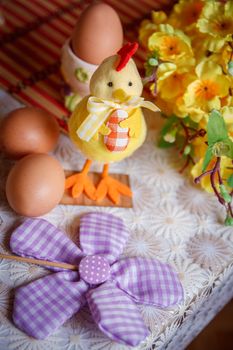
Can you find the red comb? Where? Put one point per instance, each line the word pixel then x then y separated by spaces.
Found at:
pixel 125 53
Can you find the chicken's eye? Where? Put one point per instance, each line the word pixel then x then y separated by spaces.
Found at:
pixel 110 84
pixel 130 83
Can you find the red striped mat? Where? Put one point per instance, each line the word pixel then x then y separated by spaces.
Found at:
pixel 31 40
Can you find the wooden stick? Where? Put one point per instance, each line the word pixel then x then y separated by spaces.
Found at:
pixel 39 262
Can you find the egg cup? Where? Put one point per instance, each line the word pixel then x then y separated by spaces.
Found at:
pixel 76 72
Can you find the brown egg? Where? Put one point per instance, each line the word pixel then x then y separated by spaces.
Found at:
pixel 98 34
pixel 35 185
pixel 28 130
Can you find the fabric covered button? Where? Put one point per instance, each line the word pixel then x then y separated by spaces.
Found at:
pixel 94 269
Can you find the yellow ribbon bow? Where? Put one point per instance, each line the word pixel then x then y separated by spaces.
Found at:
pixel 99 110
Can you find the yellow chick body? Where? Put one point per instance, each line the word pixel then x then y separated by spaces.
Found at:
pixel 109 125
pixel 95 149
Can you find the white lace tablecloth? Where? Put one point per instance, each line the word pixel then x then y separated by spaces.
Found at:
pixel 172 220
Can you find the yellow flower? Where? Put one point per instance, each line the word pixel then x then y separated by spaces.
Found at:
pixel 217 20
pixel 166 107
pixel 158 17
pixel 205 181
pixel 172 80
pixel 146 30
pixel 206 92
pixel 227 100
pixel 225 172
pixel 199 147
pixel 226 56
pixel 148 27
pixel 194 112
pixel 222 57
pixel 199 49
pixel 185 14
pixel 200 116
pixel 172 45
pixel 227 113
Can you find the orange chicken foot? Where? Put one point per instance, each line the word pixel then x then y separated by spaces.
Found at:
pixel 80 182
pixel 111 187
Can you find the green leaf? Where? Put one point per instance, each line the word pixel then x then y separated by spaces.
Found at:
pixel 226 196
pixel 154 54
pixel 229 221
pixel 164 144
pixel 229 154
pixel 222 148
pixel 187 150
pixel 230 181
pixel 169 138
pixel 149 70
pixel 230 68
pixel 216 128
pixel 188 121
pixel 153 62
pixel 171 135
pixel 207 159
pixel 167 126
pixel 180 140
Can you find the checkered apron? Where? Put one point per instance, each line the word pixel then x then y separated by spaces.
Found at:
pixel 118 139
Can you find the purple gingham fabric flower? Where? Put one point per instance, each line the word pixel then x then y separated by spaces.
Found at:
pixel 110 287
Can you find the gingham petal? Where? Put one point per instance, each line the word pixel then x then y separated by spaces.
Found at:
pixel 39 239
pixel 116 314
pixel 148 281
pixel 44 305
pixel 102 233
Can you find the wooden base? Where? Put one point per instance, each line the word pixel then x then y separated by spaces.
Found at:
pixel 125 202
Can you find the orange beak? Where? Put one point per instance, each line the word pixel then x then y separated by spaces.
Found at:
pixel 119 95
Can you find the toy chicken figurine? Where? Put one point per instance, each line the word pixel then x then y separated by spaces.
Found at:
pixel 109 125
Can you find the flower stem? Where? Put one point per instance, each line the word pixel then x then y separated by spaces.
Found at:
pixel 212 172
pixel 216 169
pixel 186 141
pixel 200 133
pixel 150 78
pixel 185 165
pixel 198 179
pixel 230 210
